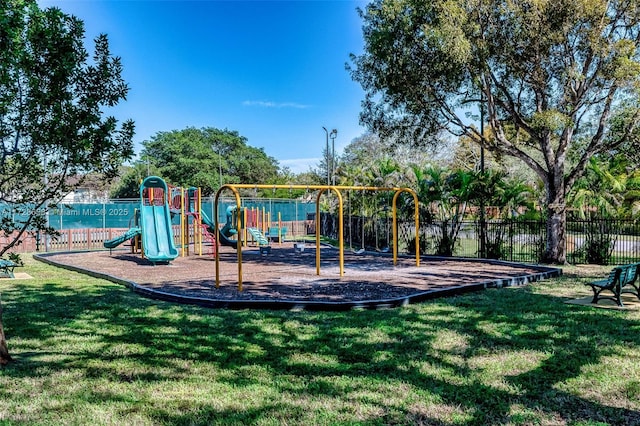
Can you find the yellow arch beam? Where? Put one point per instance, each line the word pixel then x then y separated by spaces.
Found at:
pixel 321 188
pixel 340 228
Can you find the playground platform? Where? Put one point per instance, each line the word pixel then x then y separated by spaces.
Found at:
pixel 286 279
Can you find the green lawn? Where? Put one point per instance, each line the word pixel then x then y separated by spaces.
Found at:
pixel 90 352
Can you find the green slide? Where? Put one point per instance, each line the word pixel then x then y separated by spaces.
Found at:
pixel 131 233
pixel 228 230
pixel 155 224
pixel 258 236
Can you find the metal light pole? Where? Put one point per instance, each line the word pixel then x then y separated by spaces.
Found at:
pixel 333 135
pixel 326 133
pixel 220 165
pixel 330 162
pixel 218 150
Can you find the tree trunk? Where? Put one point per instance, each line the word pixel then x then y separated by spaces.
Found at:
pixel 555 252
pixel 5 358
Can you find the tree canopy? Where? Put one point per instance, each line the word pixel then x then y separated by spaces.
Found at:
pixel 203 158
pixel 555 79
pixel 54 130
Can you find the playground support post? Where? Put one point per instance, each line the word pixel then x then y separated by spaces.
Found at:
pixel 239 234
pixel 184 226
pixel 198 226
pixel 266 228
pixel 194 196
pixel 245 230
pixel 264 219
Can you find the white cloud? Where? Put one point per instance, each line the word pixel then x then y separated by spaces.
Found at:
pixel 269 104
pixel 300 165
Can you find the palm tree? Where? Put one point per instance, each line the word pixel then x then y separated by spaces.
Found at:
pixel 632 195
pixel 504 196
pixel 600 191
pixel 444 197
pixel 386 173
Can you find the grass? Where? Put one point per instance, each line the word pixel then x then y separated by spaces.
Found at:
pixel 91 352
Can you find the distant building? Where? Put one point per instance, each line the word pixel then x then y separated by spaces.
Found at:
pixel 94 189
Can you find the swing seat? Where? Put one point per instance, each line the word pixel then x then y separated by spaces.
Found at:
pixel 265 250
pixel 298 247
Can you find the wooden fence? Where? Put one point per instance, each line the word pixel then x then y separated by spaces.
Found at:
pixel 93 238
pixel 68 240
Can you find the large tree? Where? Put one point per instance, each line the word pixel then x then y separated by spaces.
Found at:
pixel 53 131
pixel 52 112
pixel 556 79
pixel 207 157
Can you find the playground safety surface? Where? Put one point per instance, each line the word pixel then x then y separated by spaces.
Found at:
pixel 286 279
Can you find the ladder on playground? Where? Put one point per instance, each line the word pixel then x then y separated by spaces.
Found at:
pixel 211 238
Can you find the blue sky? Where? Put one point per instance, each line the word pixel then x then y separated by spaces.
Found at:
pixel 272 70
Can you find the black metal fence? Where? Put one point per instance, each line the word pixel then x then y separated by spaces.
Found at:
pixel 601 241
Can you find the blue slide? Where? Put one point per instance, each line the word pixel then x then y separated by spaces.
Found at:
pixel 115 242
pixel 155 224
pixel 228 230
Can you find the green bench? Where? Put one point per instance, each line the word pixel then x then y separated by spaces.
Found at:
pixel 621 279
pixel 6 268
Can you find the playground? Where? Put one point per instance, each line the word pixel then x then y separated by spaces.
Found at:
pixel 273 273
pixel 288 279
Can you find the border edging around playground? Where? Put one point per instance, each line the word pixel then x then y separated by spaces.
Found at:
pixel 545 272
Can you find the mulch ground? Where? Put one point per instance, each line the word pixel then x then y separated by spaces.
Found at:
pixel 285 275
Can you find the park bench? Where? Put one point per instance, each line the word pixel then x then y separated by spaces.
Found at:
pixel 6 268
pixel 621 279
